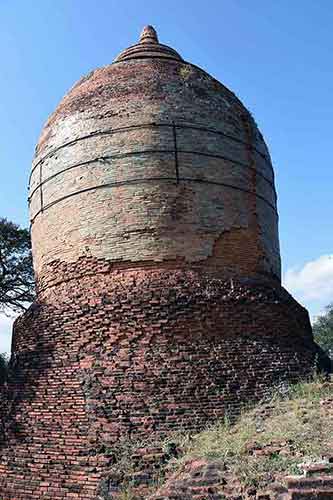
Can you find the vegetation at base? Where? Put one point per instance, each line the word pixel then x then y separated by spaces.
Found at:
pixel 323 330
pixel 17 288
pixel 288 430
pixel 265 444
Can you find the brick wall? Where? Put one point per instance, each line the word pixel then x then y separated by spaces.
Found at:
pixel 126 353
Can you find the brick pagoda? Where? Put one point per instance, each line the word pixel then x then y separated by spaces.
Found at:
pixel 155 241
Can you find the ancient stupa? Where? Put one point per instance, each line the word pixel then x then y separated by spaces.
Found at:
pixel 155 240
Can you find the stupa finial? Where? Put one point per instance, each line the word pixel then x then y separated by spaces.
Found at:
pixel 148 34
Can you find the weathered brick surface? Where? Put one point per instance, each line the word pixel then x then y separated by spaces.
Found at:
pixel 210 480
pixel 154 230
pixel 157 161
pixel 127 353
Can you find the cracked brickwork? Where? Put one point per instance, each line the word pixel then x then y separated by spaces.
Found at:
pixel 208 480
pixel 144 174
pixel 128 353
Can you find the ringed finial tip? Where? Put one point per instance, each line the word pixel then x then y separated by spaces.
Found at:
pixel 148 34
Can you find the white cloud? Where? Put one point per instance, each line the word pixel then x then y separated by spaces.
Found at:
pixel 5 333
pixel 312 284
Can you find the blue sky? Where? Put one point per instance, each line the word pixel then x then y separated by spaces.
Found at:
pixel 275 55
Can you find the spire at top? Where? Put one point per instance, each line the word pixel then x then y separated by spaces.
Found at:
pixel 148 47
pixel 148 34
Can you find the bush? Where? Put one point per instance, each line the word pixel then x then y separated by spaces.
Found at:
pixel 323 330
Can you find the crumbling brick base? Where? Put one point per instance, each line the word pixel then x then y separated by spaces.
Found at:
pixel 109 355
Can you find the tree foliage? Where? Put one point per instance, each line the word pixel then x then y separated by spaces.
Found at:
pixel 17 287
pixel 3 368
pixel 323 330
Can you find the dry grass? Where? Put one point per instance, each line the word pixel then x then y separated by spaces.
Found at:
pixel 266 443
pixel 272 439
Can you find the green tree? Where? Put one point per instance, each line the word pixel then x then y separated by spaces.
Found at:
pixel 17 287
pixel 3 368
pixel 323 330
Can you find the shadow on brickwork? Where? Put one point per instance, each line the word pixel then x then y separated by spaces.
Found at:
pixel 31 357
pixel 171 352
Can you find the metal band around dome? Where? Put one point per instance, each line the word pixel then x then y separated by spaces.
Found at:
pixel 148 125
